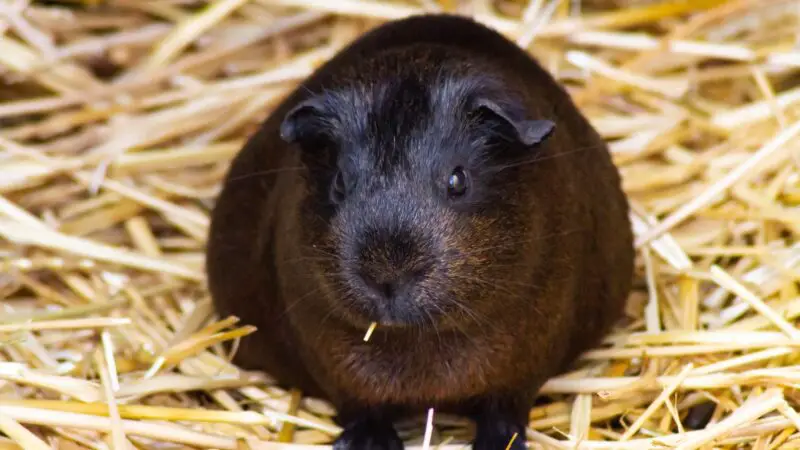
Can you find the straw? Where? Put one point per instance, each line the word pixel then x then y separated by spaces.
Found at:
pixel 426 441
pixel 657 403
pixel 119 120
pixel 20 434
pixel 370 330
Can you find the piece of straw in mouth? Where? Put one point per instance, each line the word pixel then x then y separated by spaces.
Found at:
pixel 370 330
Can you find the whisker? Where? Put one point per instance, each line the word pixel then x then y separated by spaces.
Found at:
pixel 480 320
pixel 262 173
pixel 515 243
pixel 545 157
pixel 309 259
pixel 299 300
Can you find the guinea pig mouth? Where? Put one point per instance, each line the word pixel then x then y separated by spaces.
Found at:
pixel 399 309
pixel 393 297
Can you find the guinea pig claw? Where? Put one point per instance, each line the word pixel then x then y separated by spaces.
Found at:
pixel 366 434
pixel 499 434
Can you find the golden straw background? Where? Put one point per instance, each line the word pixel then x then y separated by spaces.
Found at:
pixel 117 122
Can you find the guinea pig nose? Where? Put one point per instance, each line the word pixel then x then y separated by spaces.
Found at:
pixel 394 283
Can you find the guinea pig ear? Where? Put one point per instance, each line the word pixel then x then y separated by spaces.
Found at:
pixel 306 120
pixel 526 132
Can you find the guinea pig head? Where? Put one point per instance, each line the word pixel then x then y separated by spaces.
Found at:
pixel 411 183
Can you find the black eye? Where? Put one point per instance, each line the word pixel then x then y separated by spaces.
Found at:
pixel 457 183
pixel 338 188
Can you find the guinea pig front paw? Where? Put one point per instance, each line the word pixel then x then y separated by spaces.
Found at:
pixel 368 435
pixel 499 434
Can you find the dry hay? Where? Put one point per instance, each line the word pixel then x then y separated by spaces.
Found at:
pixel 119 117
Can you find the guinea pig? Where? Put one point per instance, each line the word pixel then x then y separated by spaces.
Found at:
pixel 434 179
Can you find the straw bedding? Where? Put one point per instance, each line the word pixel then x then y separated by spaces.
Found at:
pixel 118 119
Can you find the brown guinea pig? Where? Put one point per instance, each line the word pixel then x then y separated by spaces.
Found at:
pixel 434 179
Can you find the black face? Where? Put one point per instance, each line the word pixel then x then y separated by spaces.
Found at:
pixel 414 179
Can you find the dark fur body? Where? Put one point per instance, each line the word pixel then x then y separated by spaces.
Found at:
pixel 524 275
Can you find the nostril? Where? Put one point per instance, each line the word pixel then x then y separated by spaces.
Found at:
pixel 381 286
pixel 393 285
pixel 387 289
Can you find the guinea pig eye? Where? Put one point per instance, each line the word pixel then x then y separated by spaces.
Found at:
pixel 338 188
pixel 457 183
